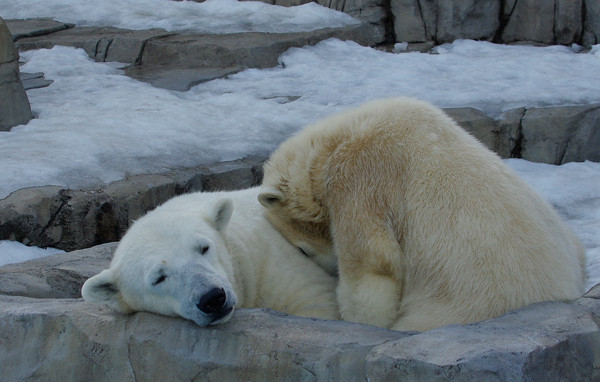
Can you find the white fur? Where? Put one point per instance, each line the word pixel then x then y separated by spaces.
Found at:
pixel 200 242
pixel 427 227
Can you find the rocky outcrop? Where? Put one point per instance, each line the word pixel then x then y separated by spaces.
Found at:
pixel 56 276
pixel 373 12
pixel 545 22
pixel 49 333
pixel 14 107
pixel 178 61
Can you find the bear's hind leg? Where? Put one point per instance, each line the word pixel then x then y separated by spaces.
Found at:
pixel 420 312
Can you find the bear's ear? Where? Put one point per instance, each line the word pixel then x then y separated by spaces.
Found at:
pixel 101 289
pixel 221 213
pixel 270 197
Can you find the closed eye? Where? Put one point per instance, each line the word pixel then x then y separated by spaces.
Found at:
pixel 159 279
pixel 202 249
pixel 303 252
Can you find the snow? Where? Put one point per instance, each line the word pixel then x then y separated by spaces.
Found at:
pixel 94 125
pixel 211 16
pixel 14 252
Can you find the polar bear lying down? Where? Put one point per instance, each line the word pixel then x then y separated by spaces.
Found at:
pixel 197 257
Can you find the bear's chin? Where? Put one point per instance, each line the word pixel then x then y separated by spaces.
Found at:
pixel 223 319
pixel 205 321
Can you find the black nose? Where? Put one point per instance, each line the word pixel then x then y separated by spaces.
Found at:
pixel 213 301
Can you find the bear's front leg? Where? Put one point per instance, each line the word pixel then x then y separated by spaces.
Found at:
pixel 370 272
pixel 369 298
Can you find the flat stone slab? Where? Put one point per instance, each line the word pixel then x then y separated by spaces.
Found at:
pixel 178 61
pixel 34 81
pixel 35 27
pixel 181 79
pixel 69 339
pixel 100 43
pixel 56 276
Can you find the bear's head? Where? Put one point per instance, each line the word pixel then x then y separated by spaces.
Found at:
pixel 174 262
pixel 310 234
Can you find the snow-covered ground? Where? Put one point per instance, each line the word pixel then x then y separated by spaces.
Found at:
pixel 210 16
pixel 94 125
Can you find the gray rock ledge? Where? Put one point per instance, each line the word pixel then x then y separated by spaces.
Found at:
pixel 178 60
pixel 69 339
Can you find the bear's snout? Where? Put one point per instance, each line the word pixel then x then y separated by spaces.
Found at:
pixel 213 302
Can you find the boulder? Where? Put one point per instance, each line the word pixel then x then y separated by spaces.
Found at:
pixel 68 339
pixel 445 21
pixel 558 135
pixel 546 22
pixel 372 12
pixel 180 61
pixel 499 135
pixel 100 43
pixel 57 336
pixel 35 27
pixel 14 108
pixel 56 276
pixel 409 22
pixel 548 341
pixel 591 23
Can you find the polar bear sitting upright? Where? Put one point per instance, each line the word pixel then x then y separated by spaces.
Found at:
pixel 197 257
pixel 425 225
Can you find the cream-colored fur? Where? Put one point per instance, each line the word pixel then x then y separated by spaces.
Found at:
pixel 425 226
pixel 197 257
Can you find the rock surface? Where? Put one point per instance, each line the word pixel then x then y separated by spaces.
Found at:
pixel 57 336
pixel 57 276
pixel 546 22
pixel 14 105
pixel 178 61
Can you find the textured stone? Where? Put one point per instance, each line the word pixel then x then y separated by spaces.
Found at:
pixel 445 21
pixel 568 25
pixel 548 22
pixel 100 43
pixel 35 27
pixel 14 107
pixel 173 78
pixel 56 276
pixel 180 61
pixel 558 135
pixel 372 12
pixel 530 20
pixel 409 25
pixel 542 342
pixel 34 81
pixel 72 340
pixel 500 136
pixel 591 23
pixel 68 339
